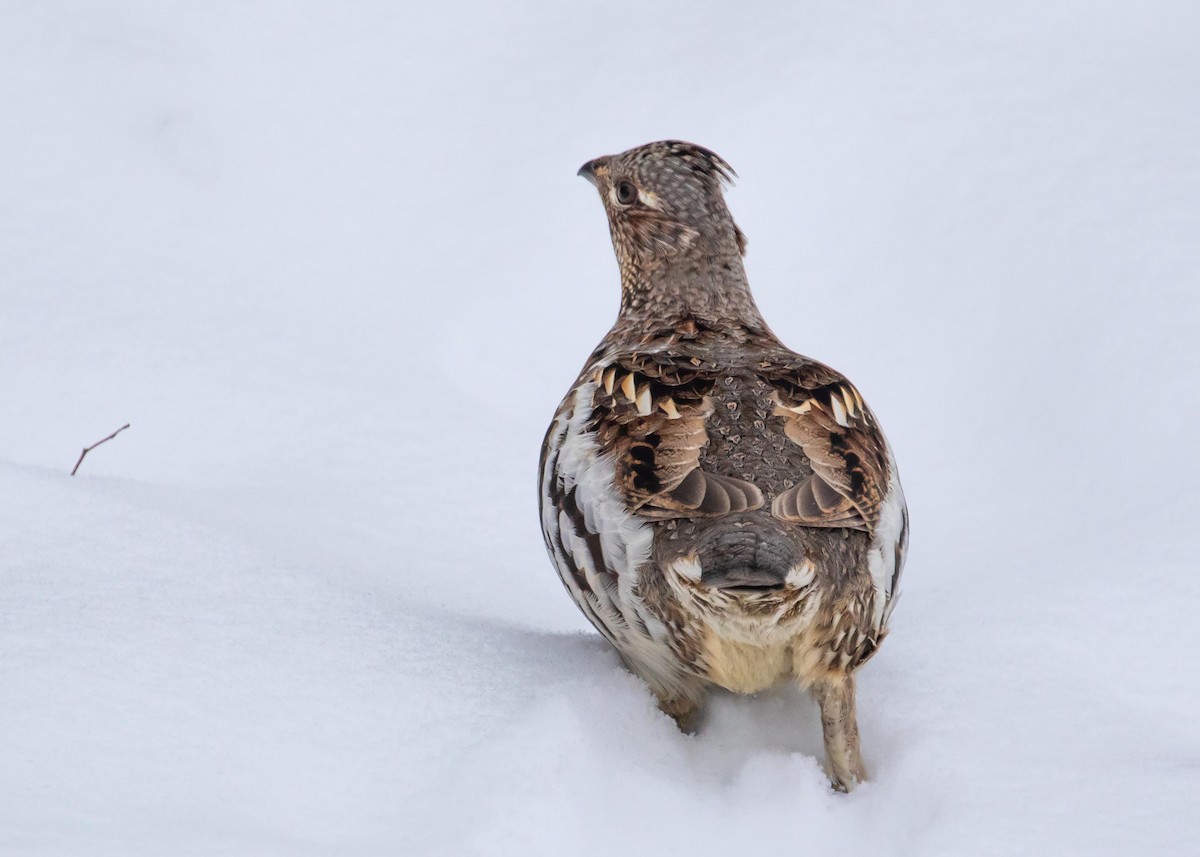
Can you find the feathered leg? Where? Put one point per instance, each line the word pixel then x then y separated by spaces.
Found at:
pixel 680 696
pixel 843 759
pixel 683 708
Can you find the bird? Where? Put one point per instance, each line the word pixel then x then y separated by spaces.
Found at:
pixel 726 512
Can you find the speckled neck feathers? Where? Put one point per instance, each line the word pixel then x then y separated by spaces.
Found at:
pixel 710 289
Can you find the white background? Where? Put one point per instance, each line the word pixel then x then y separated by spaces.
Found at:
pixel 333 263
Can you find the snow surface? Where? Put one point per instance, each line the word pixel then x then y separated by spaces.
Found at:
pixel 332 262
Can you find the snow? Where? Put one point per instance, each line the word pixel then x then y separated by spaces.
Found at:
pixel 333 263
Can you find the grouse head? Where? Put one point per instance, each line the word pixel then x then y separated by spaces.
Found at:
pixel 664 201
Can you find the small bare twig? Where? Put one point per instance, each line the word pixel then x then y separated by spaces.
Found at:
pixel 88 449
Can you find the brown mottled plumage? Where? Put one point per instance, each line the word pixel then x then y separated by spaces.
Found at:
pixel 724 511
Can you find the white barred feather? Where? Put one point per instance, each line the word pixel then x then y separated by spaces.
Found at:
pixel 574 463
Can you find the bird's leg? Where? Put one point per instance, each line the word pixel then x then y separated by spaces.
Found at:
pixel 684 709
pixel 679 695
pixel 843 759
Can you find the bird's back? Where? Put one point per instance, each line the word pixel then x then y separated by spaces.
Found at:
pixel 696 429
pixel 747 438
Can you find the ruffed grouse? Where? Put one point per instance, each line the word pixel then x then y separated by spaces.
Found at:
pixel 725 511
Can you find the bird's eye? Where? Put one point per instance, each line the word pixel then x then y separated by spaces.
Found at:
pixel 626 193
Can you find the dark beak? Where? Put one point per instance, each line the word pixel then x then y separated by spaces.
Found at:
pixel 588 170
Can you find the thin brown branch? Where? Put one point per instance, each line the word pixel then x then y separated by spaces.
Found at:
pixel 88 449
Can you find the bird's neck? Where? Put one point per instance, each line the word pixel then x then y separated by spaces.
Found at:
pixel 710 288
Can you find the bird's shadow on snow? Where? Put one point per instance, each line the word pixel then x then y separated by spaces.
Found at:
pixel 577 690
pixel 570 666
pixel 581 741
